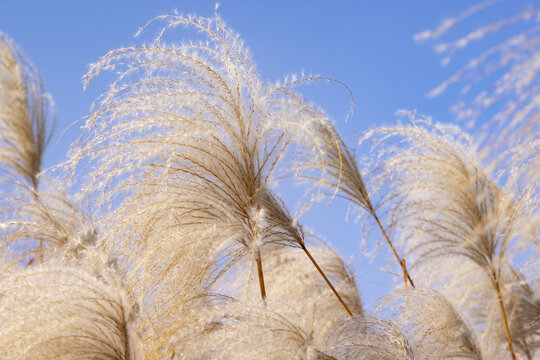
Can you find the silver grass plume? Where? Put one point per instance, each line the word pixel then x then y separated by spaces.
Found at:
pixel 522 302
pixel 26 113
pixel 280 228
pixel 513 63
pixel 49 225
pixel 510 100
pixel 470 291
pixel 446 203
pixel 236 330
pixel 65 311
pixel 433 326
pixel 159 246
pixel 293 281
pixel 524 158
pixel 367 338
pixel 466 286
pixel 340 172
pixel 191 132
pixel 170 270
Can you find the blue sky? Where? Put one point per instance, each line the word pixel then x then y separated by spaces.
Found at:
pixel 366 44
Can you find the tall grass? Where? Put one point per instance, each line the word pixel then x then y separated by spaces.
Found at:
pixel 166 240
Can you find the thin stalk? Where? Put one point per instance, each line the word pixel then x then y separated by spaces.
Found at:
pixel 36 199
pixel 127 354
pixel 404 274
pixel 261 275
pixel 258 259
pixel 406 283
pixel 322 356
pixel 398 258
pixel 495 282
pixel 40 251
pixel 326 279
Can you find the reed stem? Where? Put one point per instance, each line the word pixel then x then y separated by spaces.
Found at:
pixel 261 275
pixel 326 279
pixel 398 258
pixel 495 282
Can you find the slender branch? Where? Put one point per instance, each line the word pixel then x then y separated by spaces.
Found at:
pixel 261 275
pixel 404 274
pixel 398 258
pixel 40 251
pixel 258 258
pixel 36 199
pixel 495 282
pixel 127 354
pixel 406 283
pixel 326 279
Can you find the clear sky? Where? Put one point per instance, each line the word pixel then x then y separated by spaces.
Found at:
pixel 366 44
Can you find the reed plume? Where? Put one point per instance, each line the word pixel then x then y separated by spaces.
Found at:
pixel 202 127
pixel 369 337
pixel 510 67
pixel 293 281
pixel 159 256
pixel 448 206
pixel 26 113
pixel 340 172
pixel 45 225
pixel 65 311
pixel 499 91
pixel 433 326
pixel 523 307
pixel 232 329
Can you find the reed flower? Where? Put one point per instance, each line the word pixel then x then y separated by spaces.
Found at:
pixel 26 113
pixel 511 68
pixel 328 154
pixel 448 205
pixel 65 311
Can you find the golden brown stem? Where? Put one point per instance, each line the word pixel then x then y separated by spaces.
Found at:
pixel 398 258
pixel 127 354
pixel 36 199
pixel 495 282
pixel 261 275
pixel 406 283
pixel 40 251
pixel 326 279
pixel 404 274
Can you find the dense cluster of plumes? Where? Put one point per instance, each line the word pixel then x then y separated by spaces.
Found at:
pixel 175 245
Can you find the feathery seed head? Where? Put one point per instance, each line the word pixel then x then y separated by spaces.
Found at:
pixel 26 112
